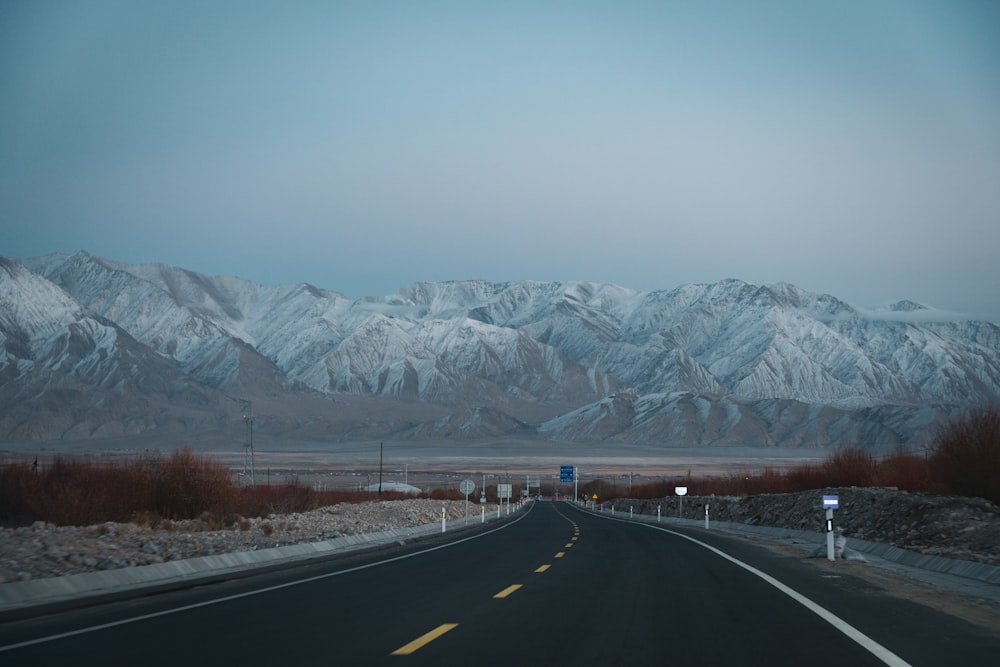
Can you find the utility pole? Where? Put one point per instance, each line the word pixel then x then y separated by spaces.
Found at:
pixel 380 468
pixel 248 447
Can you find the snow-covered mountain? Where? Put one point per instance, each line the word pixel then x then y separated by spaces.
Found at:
pixel 729 363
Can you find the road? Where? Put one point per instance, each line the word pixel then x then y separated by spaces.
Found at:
pixel 554 586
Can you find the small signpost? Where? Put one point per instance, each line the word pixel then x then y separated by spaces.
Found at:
pixel 504 491
pixel 467 486
pixel 681 491
pixel 830 503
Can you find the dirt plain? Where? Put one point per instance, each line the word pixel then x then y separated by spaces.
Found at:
pixel 444 464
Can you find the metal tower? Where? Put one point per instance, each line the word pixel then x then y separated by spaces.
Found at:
pixel 248 447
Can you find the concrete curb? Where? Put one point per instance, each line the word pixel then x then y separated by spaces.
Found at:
pixel 22 594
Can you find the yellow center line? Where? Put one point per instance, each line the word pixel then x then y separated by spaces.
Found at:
pixel 543 568
pixel 560 554
pixel 424 639
pixel 507 591
pixel 569 544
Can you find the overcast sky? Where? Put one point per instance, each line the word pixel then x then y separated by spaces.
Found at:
pixel 850 148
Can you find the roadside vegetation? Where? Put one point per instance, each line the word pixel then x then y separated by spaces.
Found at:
pixel 152 490
pixel 847 467
pixel 965 460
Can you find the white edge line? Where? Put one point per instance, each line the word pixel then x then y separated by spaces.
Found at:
pixel 206 603
pixel 866 642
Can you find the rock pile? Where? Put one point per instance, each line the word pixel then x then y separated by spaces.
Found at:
pixel 45 550
pixel 949 526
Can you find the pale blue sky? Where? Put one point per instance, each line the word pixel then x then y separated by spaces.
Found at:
pixel 847 147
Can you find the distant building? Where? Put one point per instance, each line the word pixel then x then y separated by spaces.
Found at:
pixel 394 487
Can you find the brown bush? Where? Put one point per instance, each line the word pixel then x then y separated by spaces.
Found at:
pixel 187 485
pixel 446 494
pixel 69 492
pixel 849 467
pixel 966 456
pixel 906 472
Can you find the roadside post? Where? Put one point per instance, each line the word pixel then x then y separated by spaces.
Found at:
pixel 467 486
pixel 706 516
pixel 681 491
pixel 504 491
pixel 830 503
pixel 444 520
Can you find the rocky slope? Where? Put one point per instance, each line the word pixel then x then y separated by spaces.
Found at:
pixel 948 526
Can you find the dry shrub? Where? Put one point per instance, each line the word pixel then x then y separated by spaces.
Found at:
pixel 657 489
pixel 188 485
pixel 447 494
pixel 70 492
pixel 906 472
pixel 146 519
pixel 849 467
pixel 80 492
pixel 966 456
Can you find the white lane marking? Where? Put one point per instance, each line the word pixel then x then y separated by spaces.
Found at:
pixel 866 642
pixel 206 603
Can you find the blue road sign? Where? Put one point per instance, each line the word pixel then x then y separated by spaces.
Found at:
pixel 565 473
pixel 831 502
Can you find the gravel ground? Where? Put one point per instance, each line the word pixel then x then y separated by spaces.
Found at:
pixel 44 550
pixel 948 526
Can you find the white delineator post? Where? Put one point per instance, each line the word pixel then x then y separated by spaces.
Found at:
pixel 443 519
pixel 830 503
pixel 706 516
pixel 829 535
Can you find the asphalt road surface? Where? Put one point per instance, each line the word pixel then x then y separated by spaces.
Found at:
pixel 553 586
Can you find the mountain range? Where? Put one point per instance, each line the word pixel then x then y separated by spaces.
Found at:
pixel 92 349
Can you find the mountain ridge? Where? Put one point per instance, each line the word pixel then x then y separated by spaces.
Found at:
pixel 726 363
